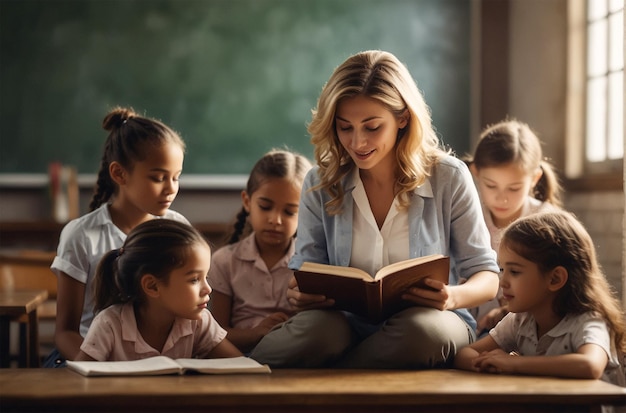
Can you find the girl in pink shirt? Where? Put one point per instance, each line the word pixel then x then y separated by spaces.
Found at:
pixel 250 276
pixel 151 298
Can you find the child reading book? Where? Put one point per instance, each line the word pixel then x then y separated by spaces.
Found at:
pixel 151 298
pixel 514 180
pixel 259 250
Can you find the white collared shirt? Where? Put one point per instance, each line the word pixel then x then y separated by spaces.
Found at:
pixel 518 332
pixel 372 248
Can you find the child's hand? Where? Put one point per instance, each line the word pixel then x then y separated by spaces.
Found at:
pixel 270 322
pixel 302 301
pixel 495 361
pixel 493 317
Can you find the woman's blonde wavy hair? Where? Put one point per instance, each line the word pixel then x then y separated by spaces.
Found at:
pixel 381 76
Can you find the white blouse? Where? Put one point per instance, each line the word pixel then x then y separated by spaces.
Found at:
pixel 372 248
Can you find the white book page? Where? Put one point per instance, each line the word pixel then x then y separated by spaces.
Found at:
pixel 224 365
pixel 350 272
pixel 400 265
pixel 152 365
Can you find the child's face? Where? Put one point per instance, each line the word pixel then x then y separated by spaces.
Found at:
pixel 152 184
pixel 273 210
pixel 524 286
pixel 503 190
pixel 368 131
pixel 186 292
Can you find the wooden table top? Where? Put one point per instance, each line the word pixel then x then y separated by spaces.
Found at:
pixel 356 390
pixel 18 302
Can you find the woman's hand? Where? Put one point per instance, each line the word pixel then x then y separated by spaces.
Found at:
pixel 302 301
pixel 478 288
pixel 433 293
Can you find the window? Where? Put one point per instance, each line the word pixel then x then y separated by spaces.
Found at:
pixel 603 130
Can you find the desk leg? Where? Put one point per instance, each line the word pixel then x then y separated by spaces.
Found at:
pixel 22 356
pixel 5 342
pixel 33 339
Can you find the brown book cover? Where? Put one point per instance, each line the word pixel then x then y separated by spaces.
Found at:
pixel 375 298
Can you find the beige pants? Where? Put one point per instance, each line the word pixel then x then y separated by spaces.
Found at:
pixel 417 338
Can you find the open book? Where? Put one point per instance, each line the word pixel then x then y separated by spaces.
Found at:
pixel 376 298
pixel 159 365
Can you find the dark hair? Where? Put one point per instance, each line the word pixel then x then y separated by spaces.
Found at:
pixel 552 239
pixel 155 247
pixel 513 142
pixel 130 136
pixel 274 164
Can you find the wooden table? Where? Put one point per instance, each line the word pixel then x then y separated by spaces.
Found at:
pixel 47 390
pixel 14 304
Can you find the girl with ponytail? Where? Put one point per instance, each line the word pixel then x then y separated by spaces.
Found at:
pixel 138 180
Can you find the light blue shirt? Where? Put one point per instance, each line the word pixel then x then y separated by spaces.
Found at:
pixel 445 217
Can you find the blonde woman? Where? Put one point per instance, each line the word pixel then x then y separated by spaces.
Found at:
pixel 383 191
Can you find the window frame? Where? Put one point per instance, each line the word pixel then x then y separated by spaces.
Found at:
pixel 580 173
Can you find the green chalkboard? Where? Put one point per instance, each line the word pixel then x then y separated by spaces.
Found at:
pixel 234 77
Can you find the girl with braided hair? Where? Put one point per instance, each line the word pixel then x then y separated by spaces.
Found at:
pixel 249 276
pixel 138 180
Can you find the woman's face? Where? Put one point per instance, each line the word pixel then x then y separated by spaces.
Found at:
pixel 368 131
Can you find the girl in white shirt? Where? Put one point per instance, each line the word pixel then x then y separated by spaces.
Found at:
pixel 138 180
pixel 564 319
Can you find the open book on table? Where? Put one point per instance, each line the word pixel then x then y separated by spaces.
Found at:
pixel 377 298
pixel 160 365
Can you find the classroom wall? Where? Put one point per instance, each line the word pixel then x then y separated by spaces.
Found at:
pixel 537 91
pixel 32 203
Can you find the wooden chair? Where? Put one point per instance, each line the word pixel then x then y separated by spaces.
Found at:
pixel 30 270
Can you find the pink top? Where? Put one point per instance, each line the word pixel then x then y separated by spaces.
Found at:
pixel 113 336
pixel 238 271
pixel 531 206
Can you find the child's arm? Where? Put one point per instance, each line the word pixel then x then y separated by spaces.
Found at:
pixel 70 298
pixel 82 356
pixel 588 362
pixel 224 349
pixel 489 320
pixel 465 357
pixel 244 339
